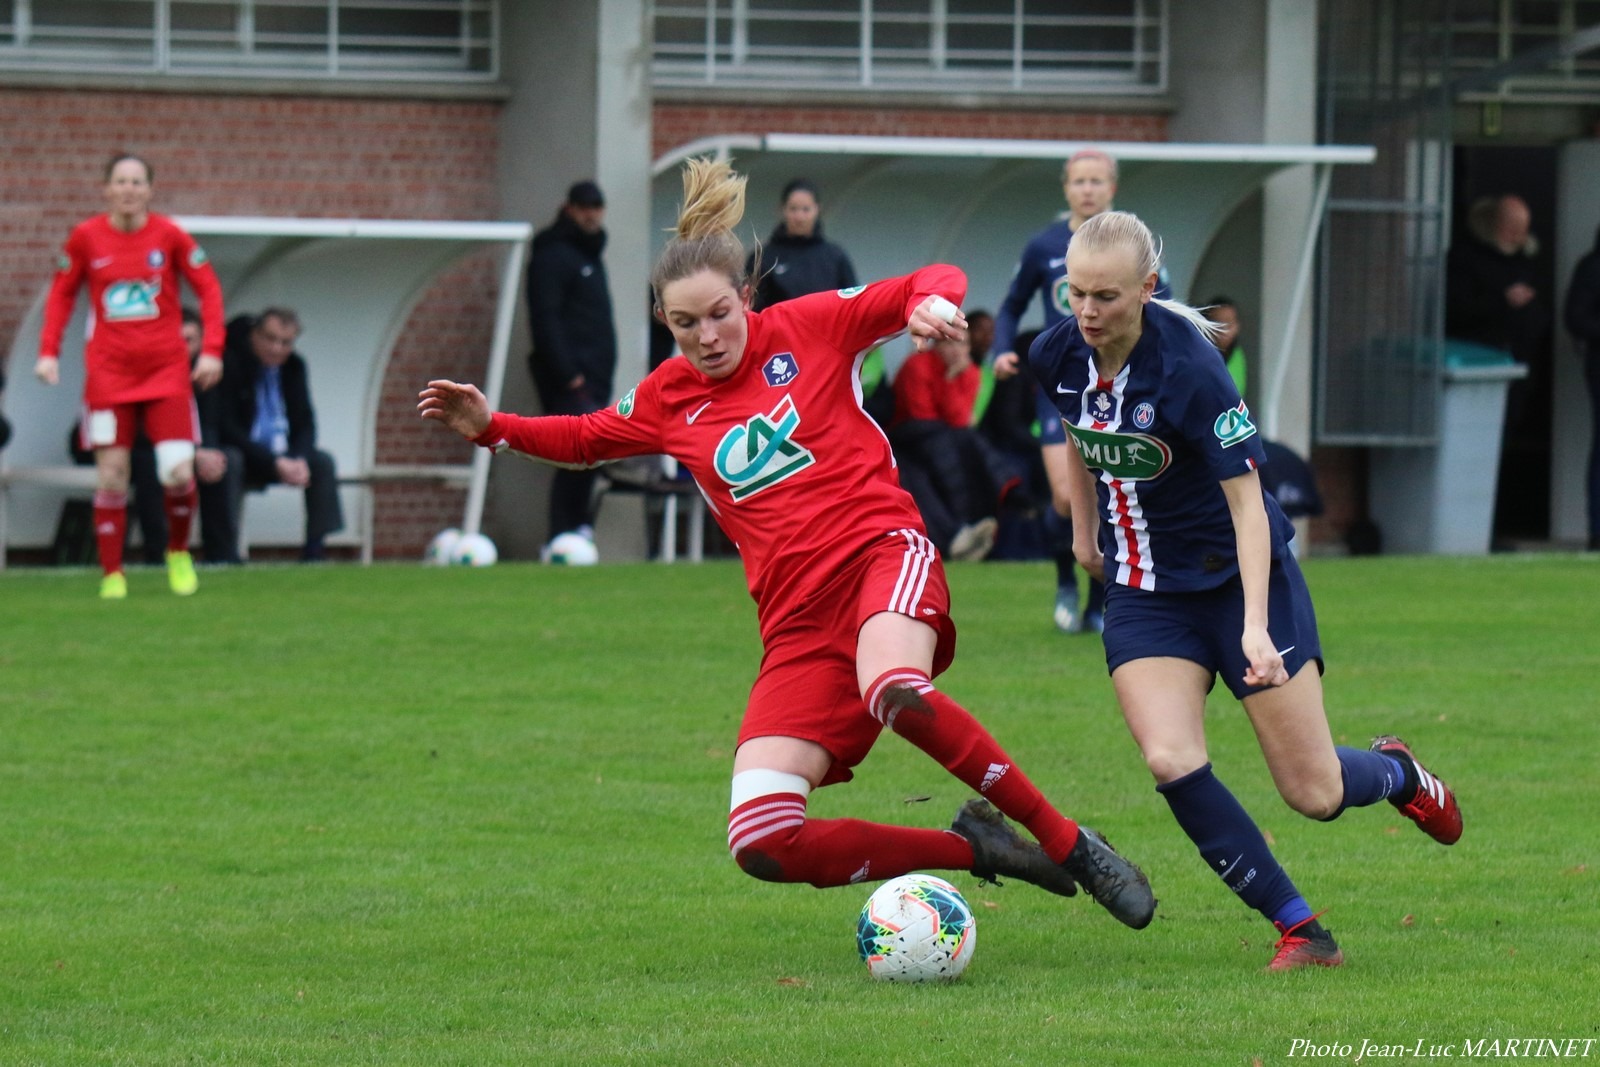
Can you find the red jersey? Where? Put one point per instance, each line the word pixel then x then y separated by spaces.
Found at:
pixel 797 474
pixel 133 348
pixel 923 389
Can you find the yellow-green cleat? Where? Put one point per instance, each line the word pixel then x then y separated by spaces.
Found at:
pixel 180 573
pixel 114 587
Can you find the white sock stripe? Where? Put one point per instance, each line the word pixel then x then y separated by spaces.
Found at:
pixel 762 782
pixel 750 829
pixel 739 844
pixel 761 809
pixel 916 679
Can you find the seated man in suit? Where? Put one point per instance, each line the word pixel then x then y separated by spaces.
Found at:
pixel 264 410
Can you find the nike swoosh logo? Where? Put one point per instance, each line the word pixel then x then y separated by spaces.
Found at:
pixel 1062 262
pixel 1064 389
pixel 1286 651
pixel 103 261
pixel 696 414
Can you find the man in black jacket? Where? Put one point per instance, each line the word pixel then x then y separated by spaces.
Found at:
pixel 574 335
pixel 264 410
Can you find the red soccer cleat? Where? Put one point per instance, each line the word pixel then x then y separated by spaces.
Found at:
pixel 1302 947
pixel 1433 807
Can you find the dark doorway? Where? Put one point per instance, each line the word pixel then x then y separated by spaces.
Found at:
pixel 1522 499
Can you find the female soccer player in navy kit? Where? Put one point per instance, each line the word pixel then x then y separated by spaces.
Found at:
pixel 1200 582
pixel 138 373
pixel 765 411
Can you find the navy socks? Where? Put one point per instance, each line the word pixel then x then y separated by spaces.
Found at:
pixel 1368 778
pixel 1232 845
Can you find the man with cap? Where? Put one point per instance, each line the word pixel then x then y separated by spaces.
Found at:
pixel 574 335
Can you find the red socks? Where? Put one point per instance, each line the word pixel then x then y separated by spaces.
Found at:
pixel 180 505
pixel 110 527
pixel 906 701
pixel 772 839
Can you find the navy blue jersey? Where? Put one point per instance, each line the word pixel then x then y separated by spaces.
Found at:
pixel 1043 270
pixel 1161 437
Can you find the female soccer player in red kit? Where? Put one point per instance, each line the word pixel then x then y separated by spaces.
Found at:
pixel 137 363
pixel 765 411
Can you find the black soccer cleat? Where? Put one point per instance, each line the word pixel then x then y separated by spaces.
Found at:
pixel 997 849
pixel 1119 886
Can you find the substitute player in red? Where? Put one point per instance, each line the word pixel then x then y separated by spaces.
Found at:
pixel 138 371
pixel 765 411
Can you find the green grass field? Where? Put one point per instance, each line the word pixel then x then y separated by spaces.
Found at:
pixel 401 815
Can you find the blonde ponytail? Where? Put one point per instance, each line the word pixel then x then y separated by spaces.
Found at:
pixel 713 204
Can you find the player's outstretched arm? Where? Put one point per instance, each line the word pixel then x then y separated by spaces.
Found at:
pixel 461 407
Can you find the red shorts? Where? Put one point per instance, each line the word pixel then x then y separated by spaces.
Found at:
pixel 807 687
pixel 165 418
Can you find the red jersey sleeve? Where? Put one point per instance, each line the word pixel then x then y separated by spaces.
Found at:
pixel 196 270
pixel 856 319
pixel 625 429
pixel 70 270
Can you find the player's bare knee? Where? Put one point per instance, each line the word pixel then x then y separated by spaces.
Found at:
pixel 1316 800
pixel 1168 765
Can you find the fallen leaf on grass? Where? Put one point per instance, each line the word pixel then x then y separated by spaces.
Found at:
pixel 799 982
pixel 917 800
pixel 1409 920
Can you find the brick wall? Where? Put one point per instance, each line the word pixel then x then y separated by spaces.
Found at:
pixel 677 124
pixel 276 156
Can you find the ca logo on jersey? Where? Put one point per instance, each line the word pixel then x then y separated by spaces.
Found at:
pixel 1132 457
pixel 761 453
pixel 130 301
pixel 1233 426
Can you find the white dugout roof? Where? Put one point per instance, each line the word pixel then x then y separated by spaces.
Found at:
pixel 354 283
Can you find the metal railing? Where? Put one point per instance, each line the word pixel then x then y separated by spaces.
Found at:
pixel 406 40
pixel 1006 46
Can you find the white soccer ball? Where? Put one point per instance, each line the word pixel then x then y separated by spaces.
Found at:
pixel 474 550
pixel 437 554
pixel 916 928
pixel 571 549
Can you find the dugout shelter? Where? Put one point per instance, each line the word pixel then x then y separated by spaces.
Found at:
pixel 353 283
pixel 895 203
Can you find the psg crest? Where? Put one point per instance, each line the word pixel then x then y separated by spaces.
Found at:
pixel 781 369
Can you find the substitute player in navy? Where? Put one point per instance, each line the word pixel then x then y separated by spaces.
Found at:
pixel 1200 582
pixel 1089 184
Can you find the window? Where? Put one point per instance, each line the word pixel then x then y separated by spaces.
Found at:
pixel 429 40
pixel 1032 46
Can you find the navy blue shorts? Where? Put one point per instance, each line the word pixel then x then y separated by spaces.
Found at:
pixel 1051 432
pixel 1205 627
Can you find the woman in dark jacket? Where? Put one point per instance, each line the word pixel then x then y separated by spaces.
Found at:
pixel 796 260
